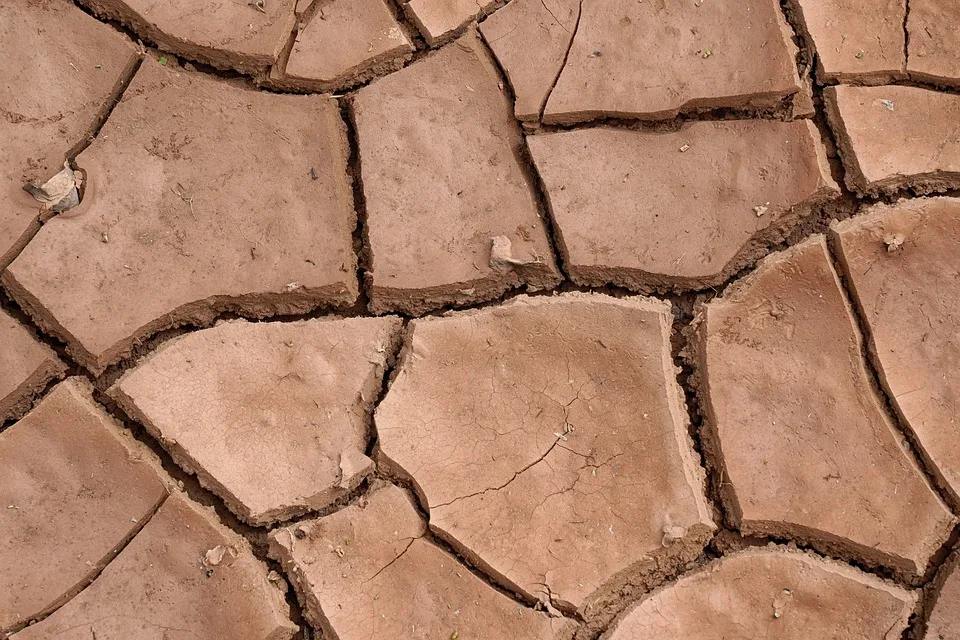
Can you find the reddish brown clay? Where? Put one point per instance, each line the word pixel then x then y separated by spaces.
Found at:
pixel 658 211
pixel 548 439
pixel 902 264
pixel 187 215
pixel 440 20
pixel 26 367
pixel 795 427
pixel 855 40
pixel 934 51
pixel 894 137
pixel 346 42
pixel 770 593
pixel 183 576
pixel 272 417
pixel 530 39
pixel 944 622
pixel 60 71
pixel 366 571
pixel 238 35
pixel 73 490
pixel 654 59
pixel 451 215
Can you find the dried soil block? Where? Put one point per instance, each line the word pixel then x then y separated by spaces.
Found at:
pixel 770 593
pixel 272 417
pixel 684 210
pixel 440 20
pixel 944 623
pixel 183 576
pixel 73 489
pixel 451 214
pixel 855 40
pixel 200 199
pixel 346 42
pixel 530 39
pixel 796 428
pixel 60 70
pixel 904 271
pixel 26 367
pixel 548 439
pixel 654 59
pixel 894 137
pixel 366 571
pixel 238 35
pixel 934 50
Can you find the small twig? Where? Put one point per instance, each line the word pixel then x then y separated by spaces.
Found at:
pixel 183 196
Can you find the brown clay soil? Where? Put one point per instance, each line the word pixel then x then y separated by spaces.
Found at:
pixel 463 319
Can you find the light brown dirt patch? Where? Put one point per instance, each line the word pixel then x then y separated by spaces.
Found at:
pixel 200 198
pixel 799 435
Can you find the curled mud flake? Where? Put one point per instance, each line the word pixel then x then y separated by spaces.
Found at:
pixel 59 193
pixel 780 602
pixel 353 466
pixel 213 557
pixel 672 533
pixel 894 242
pixel 547 607
pixel 278 580
pixel 501 254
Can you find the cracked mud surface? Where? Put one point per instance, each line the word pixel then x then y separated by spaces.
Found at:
pixel 450 319
pixel 775 415
pixel 547 439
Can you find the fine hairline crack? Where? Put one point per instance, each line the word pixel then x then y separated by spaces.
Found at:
pixel 395 558
pixel 560 436
pixel 515 475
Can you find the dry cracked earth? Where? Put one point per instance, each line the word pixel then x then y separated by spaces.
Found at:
pixel 455 319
